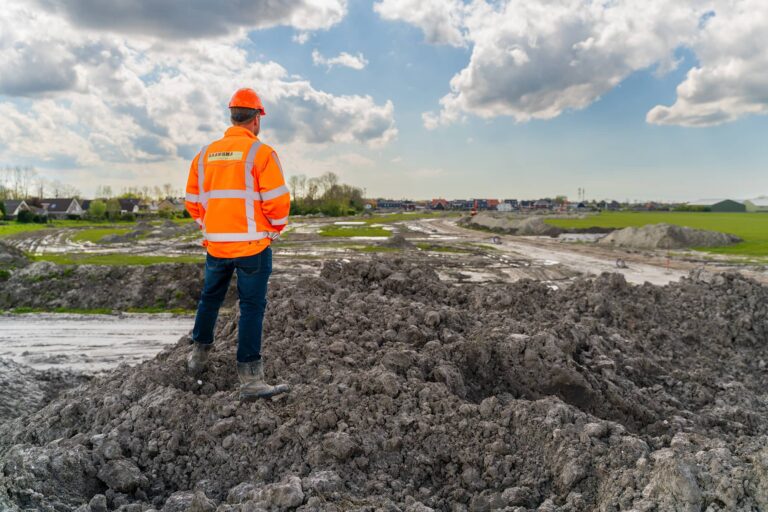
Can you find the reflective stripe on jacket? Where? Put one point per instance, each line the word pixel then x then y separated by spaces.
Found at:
pixel 236 192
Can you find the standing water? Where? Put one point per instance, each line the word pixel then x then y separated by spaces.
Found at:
pixel 87 343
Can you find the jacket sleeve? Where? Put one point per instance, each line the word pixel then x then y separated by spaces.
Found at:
pixel 275 199
pixel 193 203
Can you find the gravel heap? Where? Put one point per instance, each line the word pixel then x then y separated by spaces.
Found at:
pixel 410 394
pixel 667 236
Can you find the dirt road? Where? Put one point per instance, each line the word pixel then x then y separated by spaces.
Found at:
pixel 549 252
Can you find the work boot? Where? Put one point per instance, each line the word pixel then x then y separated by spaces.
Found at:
pixel 252 385
pixel 198 357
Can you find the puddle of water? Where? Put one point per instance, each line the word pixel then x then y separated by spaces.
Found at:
pixel 88 343
pixel 349 223
pixel 581 237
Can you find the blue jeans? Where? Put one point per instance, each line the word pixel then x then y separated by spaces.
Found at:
pixel 252 276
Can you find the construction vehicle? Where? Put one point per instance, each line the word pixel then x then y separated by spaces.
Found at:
pixel 473 211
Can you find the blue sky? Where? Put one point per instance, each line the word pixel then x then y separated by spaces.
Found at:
pixel 548 96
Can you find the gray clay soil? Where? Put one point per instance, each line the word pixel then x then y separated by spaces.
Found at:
pixel 412 394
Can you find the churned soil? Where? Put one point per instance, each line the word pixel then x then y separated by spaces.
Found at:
pixel 46 285
pixel 412 394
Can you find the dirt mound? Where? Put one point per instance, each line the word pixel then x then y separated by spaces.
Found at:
pixel 397 241
pixel 412 394
pixel 25 390
pixel 46 285
pixel 10 257
pixel 667 236
pixel 513 224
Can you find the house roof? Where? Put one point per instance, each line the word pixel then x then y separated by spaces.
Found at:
pixel 57 205
pixel 127 203
pixel 710 202
pixel 759 201
pixel 11 205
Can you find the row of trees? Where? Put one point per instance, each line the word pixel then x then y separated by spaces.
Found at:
pixel 19 182
pixel 324 194
pixel 22 182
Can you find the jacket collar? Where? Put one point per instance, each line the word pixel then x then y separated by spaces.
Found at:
pixel 239 131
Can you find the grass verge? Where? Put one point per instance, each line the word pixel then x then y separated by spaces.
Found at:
pixel 114 259
pixel 349 231
pixel 443 248
pixel 94 235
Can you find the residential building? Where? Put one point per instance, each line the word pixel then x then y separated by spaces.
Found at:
pixel 759 204
pixel 129 205
pixel 440 204
pixel 13 207
pixel 61 208
pixel 719 205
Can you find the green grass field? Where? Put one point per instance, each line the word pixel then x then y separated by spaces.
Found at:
pixel 751 227
pixel 13 228
pixel 348 231
pixel 95 235
pixel 115 259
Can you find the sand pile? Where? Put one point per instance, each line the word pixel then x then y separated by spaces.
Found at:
pixel 667 236
pixel 513 224
pixel 414 395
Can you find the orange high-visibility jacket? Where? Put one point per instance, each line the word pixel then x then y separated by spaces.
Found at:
pixel 236 192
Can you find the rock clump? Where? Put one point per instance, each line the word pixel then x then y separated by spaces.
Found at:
pixel 667 236
pixel 410 394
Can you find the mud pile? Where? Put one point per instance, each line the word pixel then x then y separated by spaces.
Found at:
pixel 414 395
pixel 10 257
pixel 25 390
pixel 667 236
pixel 46 285
pixel 512 224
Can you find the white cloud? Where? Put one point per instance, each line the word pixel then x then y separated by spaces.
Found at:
pixel 344 59
pixel 192 19
pixel 102 100
pixel 440 20
pixel 729 82
pixel 535 59
pixel 301 37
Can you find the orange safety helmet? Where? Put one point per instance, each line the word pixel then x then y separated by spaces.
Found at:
pixel 247 98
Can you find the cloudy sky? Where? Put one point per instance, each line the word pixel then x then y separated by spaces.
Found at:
pixel 629 99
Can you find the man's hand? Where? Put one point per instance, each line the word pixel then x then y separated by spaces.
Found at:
pixel 273 235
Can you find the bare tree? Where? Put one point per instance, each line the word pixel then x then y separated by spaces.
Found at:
pixel 313 187
pixel 293 182
pixel 167 189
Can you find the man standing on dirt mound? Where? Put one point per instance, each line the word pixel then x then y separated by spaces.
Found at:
pixel 236 193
